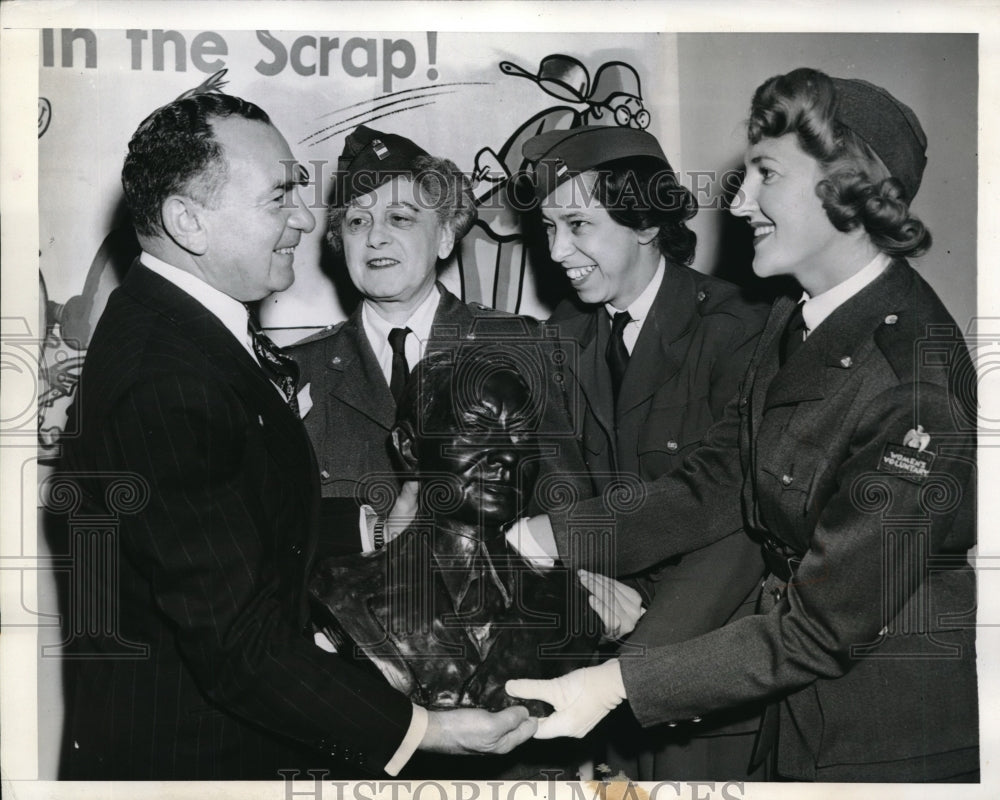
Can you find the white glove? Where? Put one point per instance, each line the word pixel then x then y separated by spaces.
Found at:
pixel 581 699
pixel 619 606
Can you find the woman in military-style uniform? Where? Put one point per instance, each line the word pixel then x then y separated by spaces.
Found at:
pixel 854 470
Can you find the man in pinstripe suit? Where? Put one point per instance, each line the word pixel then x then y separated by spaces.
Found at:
pixel 211 571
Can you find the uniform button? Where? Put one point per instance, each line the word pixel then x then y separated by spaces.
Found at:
pixel 324 474
pixel 671 724
pixel 297 549
pixel 696 719
pixel 744 400
pixel 471 336
pixel 335 360
pixel 786 480
pixel 702 296
pixel 776 594
pixel 846 362
pixel 892 319
pixel 672 447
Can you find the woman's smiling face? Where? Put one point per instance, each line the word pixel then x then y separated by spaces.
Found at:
pixel 792 233
pixel 599 255
pixel 392 241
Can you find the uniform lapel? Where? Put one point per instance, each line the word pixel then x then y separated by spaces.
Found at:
pixel 659 351
pixel 452 322
pixel 355 377
pixel 593 374
pixel 841 342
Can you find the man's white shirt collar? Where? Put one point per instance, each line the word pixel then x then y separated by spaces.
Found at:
pixel 639 308
pixel 818 308
pixel 229 311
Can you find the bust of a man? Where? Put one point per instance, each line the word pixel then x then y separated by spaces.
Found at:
pixel 447 610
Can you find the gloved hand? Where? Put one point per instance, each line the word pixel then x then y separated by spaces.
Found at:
pixel 403 511
pixel 619 606
pixel 581 699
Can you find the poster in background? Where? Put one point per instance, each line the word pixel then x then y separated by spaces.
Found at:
pixel 471 96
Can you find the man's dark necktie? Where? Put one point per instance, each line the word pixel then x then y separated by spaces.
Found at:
pixel 617 355
pixel 400 370
pixel 279 368
pixel 793 336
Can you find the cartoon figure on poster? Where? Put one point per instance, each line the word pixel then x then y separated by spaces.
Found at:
pixel 492 261
pixel 613 98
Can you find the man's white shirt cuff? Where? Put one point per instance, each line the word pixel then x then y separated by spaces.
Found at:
pixel 414 736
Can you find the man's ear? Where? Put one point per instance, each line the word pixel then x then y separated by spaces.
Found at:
pixel 647 235
pixel 183 222
pixel 404 442
pixel 446 241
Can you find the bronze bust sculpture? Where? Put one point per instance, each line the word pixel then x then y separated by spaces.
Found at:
pixel 447 610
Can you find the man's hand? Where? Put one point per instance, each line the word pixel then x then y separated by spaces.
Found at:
pixel 466 731
pixel 403 511
pixel 581 699
pixel 619 606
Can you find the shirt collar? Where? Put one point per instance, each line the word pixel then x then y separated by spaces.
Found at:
pixel 229 311
pixel 818 308
pixel 419 322
pixel 639 308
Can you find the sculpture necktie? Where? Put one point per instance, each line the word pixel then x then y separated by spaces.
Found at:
pixel 793 336
pixel 400 370
pixel 279 368
pixel 617 354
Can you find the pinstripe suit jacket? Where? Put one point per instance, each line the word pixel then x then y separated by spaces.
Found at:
pixel 212 570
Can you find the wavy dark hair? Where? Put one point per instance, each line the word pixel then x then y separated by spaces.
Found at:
pixel 174 151
pixel 642 192
pixel 444 187
pixel 858 189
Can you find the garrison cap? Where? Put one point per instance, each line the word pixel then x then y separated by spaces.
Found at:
pixel 559 155
pixel 887 126
pixel 371 158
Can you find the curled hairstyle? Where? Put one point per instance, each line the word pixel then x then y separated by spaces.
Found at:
pixel 174 151
pixel 443 187
pixel 642 192
pixel 858 189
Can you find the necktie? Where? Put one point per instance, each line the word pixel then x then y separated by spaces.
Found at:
pixel 793 336
pixel 400 370
pixel 279 368
pixel 617 354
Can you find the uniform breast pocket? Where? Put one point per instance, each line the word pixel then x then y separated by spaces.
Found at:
pixel 669 434
pixel 789 481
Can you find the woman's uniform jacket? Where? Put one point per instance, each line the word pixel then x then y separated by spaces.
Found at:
pixel 687 363
pixel 204 479
pixel 353 410
pixel 854 466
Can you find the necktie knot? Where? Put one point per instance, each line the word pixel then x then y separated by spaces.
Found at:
pixel 618 323
pixel 617 354
pixel 280 369
pixel 400 372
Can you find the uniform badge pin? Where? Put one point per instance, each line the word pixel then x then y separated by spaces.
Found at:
pixel 917 439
